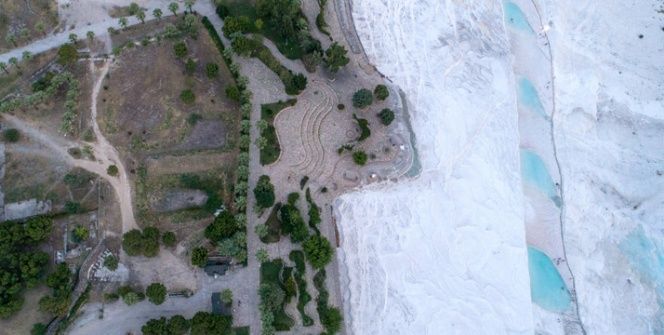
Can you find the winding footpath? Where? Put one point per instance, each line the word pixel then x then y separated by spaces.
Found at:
pixel 104 153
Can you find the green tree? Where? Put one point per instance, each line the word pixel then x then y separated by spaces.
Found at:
pixel 10 38
pixel 293 224
pixel 227 296
pixel 212 70
pixel 199 257
pixel 318 251
pixel 157 13
pixel 112 170
pixel 141 15
pixel 11 135
pixel 38 228
pixel 67 54
pixel 386 116
pixel 123 22
pixel 173 7
pixel 133 9
pixel 156 327
pixel 262 256
pixel 271 296
pixel 188 4
pixel 57 306
pixel 151 237
pixel 81 233
pixel 335 57
pixel 204 323
pixel 14 61
pixel 180 49
pixel 264 192
pixel 73 38
pixel 331 319
pixel 381 92
pixel 90 35
pixel 187 96
pixel 222 227
pixel 362 98
pixel 60 279
pixel 131 298
pixel 26 56
pixel 169 239
pixel 360 157
pixel 111 262
pixel 40 27
pixel 156 293
pixel 38 329
pixel 3 67
pixel 233 92
pixel 178 325
pixel 261 230
pixel 132 242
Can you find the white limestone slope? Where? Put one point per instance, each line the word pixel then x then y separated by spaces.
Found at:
pixel 609 92
pixel 444 253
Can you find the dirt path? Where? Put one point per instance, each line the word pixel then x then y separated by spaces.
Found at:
pixel 105 154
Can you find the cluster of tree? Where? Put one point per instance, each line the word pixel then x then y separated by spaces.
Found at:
pixel 62 284
pixel 271 301
pixel 234 245
pixel 287 26
pixel 146 242
pixel 291 220
pixel 21 263
pixel 129 295
pixel 176 325
pixel 320 18
pixel 264 192
pixel 203 323
pixel 39 97
pixel 330 317
pixel 253 47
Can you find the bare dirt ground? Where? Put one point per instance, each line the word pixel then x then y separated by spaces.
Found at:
pixel 22 20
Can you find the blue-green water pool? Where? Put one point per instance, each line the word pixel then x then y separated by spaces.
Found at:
pixel 515 17
pixel 534 172
pixel 528 97
pixel 547 288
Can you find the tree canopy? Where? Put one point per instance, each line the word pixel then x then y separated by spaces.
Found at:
pixel 146 242
pixel 223 226
pixel 204 323
pixel 318 251
pixel 264 192
pixel 199 256
pixel 381 92
pixel 21 264
pixel 362 98
pixel 156 293
pixel 335 57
